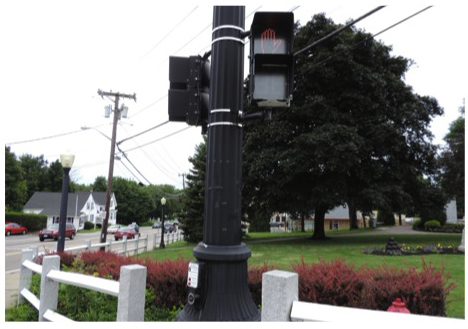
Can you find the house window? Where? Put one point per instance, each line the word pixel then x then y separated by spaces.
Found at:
pixel 333 225
pixel 70 220
pixel 92 218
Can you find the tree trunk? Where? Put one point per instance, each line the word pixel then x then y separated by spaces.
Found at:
pixel 302 222
pixel 319 223
pixel 353 225
pixel 399 219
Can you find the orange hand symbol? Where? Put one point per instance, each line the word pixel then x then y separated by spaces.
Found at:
pixel 269 43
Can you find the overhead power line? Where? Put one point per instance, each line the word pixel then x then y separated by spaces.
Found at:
pixel 143 132
pixel 159 139
pixel 338 30
pixel 149 105
pixel 366 39
pixel 49 137
pixel 173 29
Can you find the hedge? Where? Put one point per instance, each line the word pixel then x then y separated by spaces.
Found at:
pixel 32 222
pixel 335 283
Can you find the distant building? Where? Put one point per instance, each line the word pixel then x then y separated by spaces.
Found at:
pixel 335 219
pixel 82 207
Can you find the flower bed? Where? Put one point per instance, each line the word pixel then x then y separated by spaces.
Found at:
pixel 415 250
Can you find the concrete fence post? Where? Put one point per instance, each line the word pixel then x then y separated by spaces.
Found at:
pixel 131 302
pixel 155 237
pixel 49 288
pixel 137 240
pixel 461 247
pixel 125 245
pixel 35 251
pixel 88 244
pixel 279 290
pixel 25 273
pixel 110 245
pixel 146 244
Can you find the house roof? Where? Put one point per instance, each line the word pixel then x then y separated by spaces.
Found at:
pixel 50 202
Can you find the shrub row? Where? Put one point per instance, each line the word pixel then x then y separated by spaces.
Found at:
pixel 32 222
pixel 334 283
pixel 434 226
pixel 337 283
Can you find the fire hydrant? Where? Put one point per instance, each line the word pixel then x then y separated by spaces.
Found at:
pixel 398 306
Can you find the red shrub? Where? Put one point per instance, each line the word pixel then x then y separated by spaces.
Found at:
pixel 107 263
pixel 168 280
pixel 254 278
pixel 424 292
pixel 66 259
pixel 334 283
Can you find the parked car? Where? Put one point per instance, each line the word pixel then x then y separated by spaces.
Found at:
pixel 135 226
pixel 156 225
pixel 113 228
pixel 129 232
pixel 169 227
pixel 51 232
pixel 14 228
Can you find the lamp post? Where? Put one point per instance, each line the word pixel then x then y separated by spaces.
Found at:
pixel 67 162
pixel 163 202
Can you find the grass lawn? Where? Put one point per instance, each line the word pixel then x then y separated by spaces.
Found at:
pixel 280 250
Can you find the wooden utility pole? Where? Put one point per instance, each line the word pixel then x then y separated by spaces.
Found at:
pixel 117 97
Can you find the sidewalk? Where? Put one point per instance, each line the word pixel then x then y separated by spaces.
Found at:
pixel 11 288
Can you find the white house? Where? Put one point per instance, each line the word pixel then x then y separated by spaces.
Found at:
pixel 82 207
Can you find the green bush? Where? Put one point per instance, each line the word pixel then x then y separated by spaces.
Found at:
pixel 88 225
pixel 432 224
pixel 417 224
pixel 32 222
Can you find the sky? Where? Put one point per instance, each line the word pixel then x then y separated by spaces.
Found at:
pixel 56 55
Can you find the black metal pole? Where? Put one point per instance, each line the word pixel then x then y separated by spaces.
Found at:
pixel 162 245
pixel 223 293
pixel 63 210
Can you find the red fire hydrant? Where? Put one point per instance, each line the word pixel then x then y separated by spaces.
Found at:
pixel 399 307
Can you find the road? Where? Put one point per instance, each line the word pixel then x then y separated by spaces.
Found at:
pixel 14 244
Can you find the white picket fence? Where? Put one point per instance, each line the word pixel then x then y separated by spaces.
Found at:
pixel 280 291
pixel 130 291
pixel 139 244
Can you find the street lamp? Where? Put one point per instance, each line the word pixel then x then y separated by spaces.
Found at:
pixel 67 162
pixel 163 202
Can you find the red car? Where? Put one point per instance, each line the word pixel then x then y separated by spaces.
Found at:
pixel 129 232
pixel 51 232
pixel 13 228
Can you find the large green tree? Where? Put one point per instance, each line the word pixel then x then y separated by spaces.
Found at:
pixel 354 133
pixel 134 202
pixel 15 185
pixel 35 173
pixel 193 197
pixel 452 161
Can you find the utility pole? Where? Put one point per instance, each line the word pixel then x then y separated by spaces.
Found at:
pixel 117 97
pixel 183 179
pixel 218 288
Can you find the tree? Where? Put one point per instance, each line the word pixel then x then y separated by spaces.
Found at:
pixel 55 178
pixel 134 202
pixel 15 185
pixel 354 133
pixel 35 173
pixel 193 197
pixel 100 184
pixel 172 196
pixel 452 161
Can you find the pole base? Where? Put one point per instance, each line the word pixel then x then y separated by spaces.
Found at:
pixel 223 293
